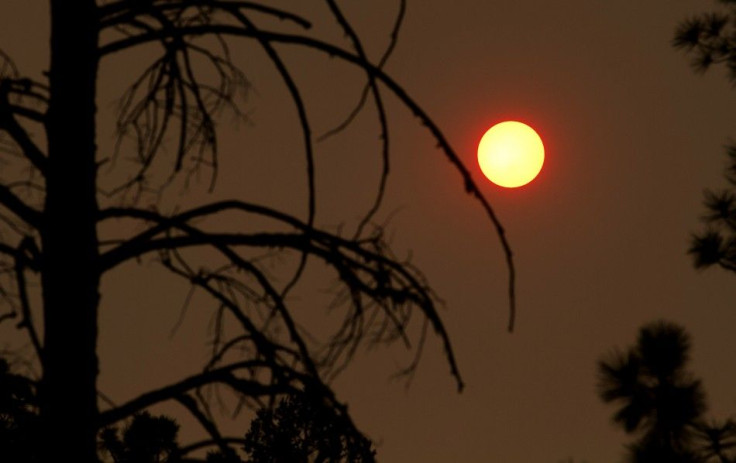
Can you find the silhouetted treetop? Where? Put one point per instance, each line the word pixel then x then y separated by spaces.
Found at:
pixel 710 38
pixel 661 402
pixel 299 430
pixel 658 398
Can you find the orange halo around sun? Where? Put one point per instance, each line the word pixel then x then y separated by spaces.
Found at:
pixel 510 154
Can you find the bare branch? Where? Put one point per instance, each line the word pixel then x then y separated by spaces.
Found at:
pixel 389 283
pixel 266 348
pixel 394 36
pixel 222 375
pixel 170 88
pixel 191 405
pixel 470 186
pixel 306 133
pixel 14 129
pixel 130 248
pixel 27 320
pixel 380 109
pixel 26 213
pixel 28 113
pixel 121 13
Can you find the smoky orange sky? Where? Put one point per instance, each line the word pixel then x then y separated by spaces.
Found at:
pixel 632 137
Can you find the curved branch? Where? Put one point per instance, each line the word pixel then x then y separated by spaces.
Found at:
pixel 325 246
pixel 136 245
pixel 470 186
pixel 222 375
pixel 120 13
pixel 306 132
pixel 366 90
pixel 266 347
pixel 190 404
pixel 381 110
pixel 278 301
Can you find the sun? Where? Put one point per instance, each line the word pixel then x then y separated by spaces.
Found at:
pixel 511 154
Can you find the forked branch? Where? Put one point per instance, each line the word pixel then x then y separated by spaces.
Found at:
pixel 314 44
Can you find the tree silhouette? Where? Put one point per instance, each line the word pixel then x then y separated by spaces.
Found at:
pixel 659 399
pixel 60 214
pixel 301 431
pixel 296 430
pixel 147 439
pixel 662 402
pixel 710 38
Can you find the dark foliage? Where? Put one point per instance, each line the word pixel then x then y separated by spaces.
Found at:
pixel 659 399
pixel 716 245
pixel 18 415
pixel 661 403
pixel 147 439
pixel 710 39
pixel 298 430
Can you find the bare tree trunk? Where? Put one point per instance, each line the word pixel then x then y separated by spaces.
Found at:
pixel 70 277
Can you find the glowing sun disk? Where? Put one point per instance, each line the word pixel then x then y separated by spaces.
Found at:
pixel 510 154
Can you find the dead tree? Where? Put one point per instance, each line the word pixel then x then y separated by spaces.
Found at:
pixel 55 216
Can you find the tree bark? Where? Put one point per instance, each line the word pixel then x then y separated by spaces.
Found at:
pixel 70 274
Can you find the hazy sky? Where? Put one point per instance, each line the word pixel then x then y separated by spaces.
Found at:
pixel 633 136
